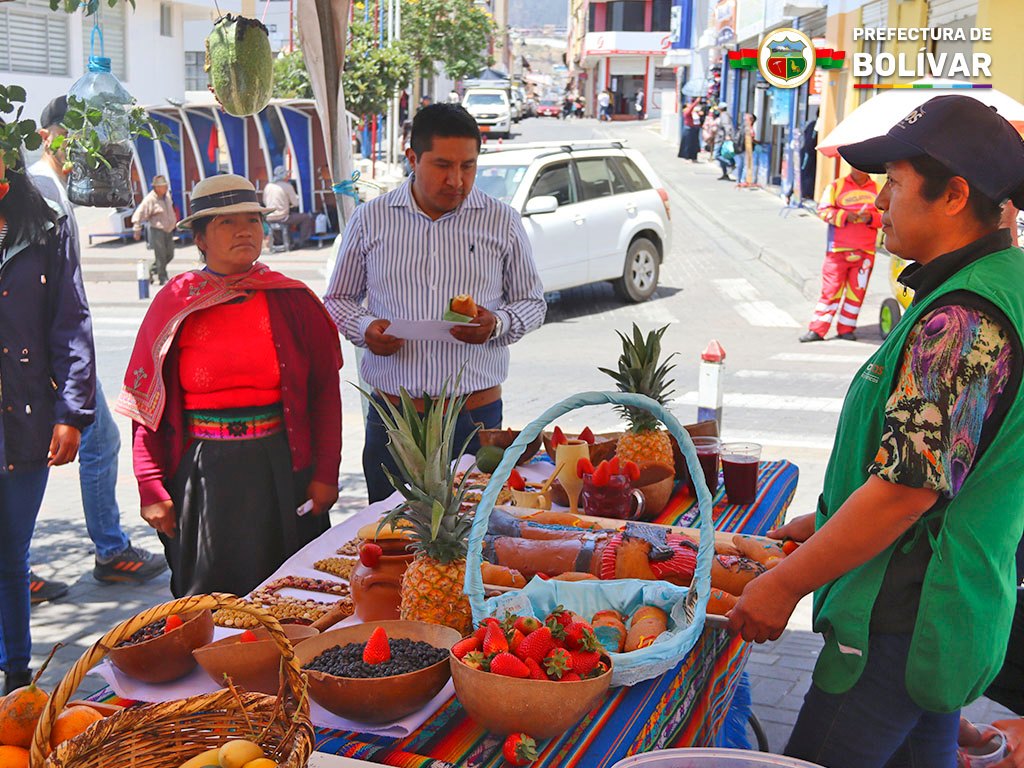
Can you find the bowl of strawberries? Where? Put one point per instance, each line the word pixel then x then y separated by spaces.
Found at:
pixel 529 675
pixel 602 445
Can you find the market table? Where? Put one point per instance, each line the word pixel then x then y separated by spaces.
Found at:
pixel 684 707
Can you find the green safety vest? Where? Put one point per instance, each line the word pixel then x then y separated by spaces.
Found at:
pixel 968 595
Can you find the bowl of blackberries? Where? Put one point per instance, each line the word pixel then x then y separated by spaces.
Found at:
pixel 162 650
pixel 379 671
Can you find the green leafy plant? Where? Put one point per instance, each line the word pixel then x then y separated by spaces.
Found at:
pixel 291 78
pixel 452 32
pixel 373 73
pixel 82 142
pixel 15 132
pixel 90 6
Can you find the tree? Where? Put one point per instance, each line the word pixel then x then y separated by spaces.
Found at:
pixel 291 78
pixel 373 73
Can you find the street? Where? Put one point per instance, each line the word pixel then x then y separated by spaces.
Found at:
pixel 778 392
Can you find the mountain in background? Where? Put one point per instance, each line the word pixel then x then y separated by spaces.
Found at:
pixel 537 13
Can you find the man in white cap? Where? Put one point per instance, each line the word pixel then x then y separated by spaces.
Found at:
pixel 282 197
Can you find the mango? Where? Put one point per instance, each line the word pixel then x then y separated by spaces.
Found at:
pixel 203 759
pixel 238 752
pixel 488 458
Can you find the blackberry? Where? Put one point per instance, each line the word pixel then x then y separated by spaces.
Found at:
pixel 148 632
pixel 406 656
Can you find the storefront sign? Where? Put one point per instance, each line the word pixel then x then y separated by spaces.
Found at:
pixel 725 22
pixel 781 105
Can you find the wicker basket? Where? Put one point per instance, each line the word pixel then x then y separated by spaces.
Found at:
pixel 166 735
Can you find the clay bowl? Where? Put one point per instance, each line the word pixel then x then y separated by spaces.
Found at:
pixel 377 700
pixel 656 483
pixel 166 657
pixel 543 709
pixel 603 448
pixel 502 438
pixel 253 666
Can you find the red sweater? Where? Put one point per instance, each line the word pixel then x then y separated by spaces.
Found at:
pixel 309 358
pixel 843 197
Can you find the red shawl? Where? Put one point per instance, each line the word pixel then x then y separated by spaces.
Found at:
pixel 144 394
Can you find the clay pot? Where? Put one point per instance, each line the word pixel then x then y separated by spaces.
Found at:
pixel 377 591
pixel 165 657
pixel 502 438
pixel 656 483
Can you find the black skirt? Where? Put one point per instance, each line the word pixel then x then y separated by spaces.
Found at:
pixel 235 502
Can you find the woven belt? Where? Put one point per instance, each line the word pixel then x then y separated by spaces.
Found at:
pixel 477 399
pixel 235 423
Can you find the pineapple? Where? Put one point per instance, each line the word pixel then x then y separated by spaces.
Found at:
pixel 639 372
pixel 422 446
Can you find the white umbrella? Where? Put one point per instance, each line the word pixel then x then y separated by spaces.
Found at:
pixel 881 112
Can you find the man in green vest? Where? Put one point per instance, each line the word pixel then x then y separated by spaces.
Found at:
pixel 911 560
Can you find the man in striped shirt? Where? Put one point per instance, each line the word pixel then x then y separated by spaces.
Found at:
pixel 406 254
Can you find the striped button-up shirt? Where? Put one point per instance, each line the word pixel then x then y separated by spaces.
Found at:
pixel 395 262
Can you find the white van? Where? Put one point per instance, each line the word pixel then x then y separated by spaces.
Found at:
pixel 491 109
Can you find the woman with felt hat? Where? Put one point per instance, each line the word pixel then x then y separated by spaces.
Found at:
pixel 233 388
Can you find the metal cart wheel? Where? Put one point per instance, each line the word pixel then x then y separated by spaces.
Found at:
pixel 759 735
pixel 888 316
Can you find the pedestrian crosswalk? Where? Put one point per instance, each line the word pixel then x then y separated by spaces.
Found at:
pixel 751 306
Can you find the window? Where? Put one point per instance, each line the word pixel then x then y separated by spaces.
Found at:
pixel 661 17
pixel 485 100
pixel 33 39
pixel 500 181
pixel 595 178
pixel 628 175
pixel 555 180
pixel 195 77
pixel 112 24
pixel 592 19
pixel 625 16
pixel 166 20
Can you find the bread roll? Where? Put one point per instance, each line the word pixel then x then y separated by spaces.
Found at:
pixel 574 576
pixel 500 576
pixel 646 624
pixel 734 573
pixel 464 305
pixel 610 630
pixel 720 602
pixel 757 549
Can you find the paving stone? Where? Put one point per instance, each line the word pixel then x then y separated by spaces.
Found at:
pixel 768 692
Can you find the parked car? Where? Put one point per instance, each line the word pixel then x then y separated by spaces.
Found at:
pixel 549 108
pixel 593 212
pixel 518 104
pixel 491 109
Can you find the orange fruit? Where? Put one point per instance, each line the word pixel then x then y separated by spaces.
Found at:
pixel 13 757
pixel 71 722
pixel 19 712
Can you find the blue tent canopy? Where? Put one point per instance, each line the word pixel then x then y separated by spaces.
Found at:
pixel 299 127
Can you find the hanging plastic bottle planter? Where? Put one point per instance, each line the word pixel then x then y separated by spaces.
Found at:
pixel 240 64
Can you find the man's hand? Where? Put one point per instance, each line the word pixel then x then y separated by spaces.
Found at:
pixel 379 342
pixel 859 218
pixel 63 445
pixel 481 329
pixel 763 610
pixel 798 529
pixel 323 496
pixel 137 234
pixel 162 517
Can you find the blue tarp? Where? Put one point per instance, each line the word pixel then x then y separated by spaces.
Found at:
pixel 234 135
pixel 298 125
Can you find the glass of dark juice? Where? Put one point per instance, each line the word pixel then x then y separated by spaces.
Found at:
pixel 739 470
pixel 708 451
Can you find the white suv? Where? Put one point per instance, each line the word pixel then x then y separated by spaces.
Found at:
pixel 491 109
pixel 593 211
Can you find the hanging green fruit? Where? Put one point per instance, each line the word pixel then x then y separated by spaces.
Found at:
pixel 240 64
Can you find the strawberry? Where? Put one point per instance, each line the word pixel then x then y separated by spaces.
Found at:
pixel 369 554
pixel 558 437
pixel 570 677
pixel 580 636
pixel 613 465
pixel 248 637
pixel 587 435
pixel 5 187
pixel 584 467
pixel 602 474
pixel 557 663
pixel 172 622
pixel 519 749
pixel 508 665
pixel 536 673
pixel 515 639
pixel 527 624
pixel 632 470
pixel 475 660
pixel 377 649
pixel 583 662
pixel 536 645
pixel 480 632
pixel 516 481
pixel 562 615
pixel 494 640
pixel 464 646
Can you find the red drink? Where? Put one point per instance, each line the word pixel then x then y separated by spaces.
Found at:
pixel 740 474
pixel 708 450
pixel 614 499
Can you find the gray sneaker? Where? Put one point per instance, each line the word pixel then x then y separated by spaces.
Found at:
pixel 132 566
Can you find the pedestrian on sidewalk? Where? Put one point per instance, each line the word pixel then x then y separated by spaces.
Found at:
pixel 848 205
pixel 604 104
pixel 116 559
pixel 156 211
pixel 49 387
pixel 689 142
pixel 911 554
pixel 746 137
pixel 233 389
pixel 640 106
pixel 724 150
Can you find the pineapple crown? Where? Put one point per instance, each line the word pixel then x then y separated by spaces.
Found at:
pixel 639 373
pixel 423 447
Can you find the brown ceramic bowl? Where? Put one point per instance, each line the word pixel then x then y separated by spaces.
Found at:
pixel 382 699
pixel 502 438
pixel 543 709
pixel 602 449
pixel 167 657
pixel 656 483
pixel 253 666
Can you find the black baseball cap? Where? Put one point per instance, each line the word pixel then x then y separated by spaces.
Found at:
pixel 970 138
pixel 53 113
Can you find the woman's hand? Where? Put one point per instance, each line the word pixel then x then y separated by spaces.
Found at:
pixel 323 496
pixel 63 445
pixel 763 610
pixel 798 529
pixel 162 517
pixel 1014 730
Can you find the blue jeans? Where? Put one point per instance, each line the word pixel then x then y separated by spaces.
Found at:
pixel 375 449
pixel 97 475
pixel 21 493
pixel 875 724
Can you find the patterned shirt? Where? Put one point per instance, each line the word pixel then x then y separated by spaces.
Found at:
pixel 395 262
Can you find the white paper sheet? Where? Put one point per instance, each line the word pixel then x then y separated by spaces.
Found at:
pixel 424 330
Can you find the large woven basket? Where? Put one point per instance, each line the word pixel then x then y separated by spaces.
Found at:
pixel 166 735
pixel 700 589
